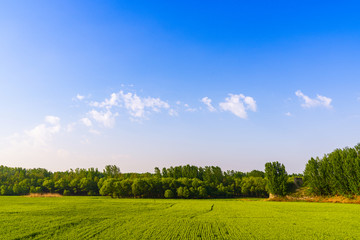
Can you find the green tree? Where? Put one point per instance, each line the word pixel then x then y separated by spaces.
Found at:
pixel 61 185
pixel 277 177
pixel 49 185
pixel 202 192
pixel 139 187
pixel 66 192
pixel 112 171
pixel 169 194
pixel 183 192
pixel 107 188
pixel 253 186
pixel 157 172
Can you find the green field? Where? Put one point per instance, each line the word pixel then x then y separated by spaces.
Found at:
pixel 106 218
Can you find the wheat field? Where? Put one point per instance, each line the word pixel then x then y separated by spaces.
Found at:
pixel 107 218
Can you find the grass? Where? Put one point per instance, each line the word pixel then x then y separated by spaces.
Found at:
pixel 106 218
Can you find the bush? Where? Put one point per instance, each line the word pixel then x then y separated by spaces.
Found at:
pixel 183 192
pixel 202 192
pixel 66 193
pixel 169 194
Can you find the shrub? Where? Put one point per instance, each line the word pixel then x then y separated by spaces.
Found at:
pixel 169 194
pixel 66 192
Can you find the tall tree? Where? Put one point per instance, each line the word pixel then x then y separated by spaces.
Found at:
pixel 277 177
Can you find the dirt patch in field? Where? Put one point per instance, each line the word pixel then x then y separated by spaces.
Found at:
pixel 44 195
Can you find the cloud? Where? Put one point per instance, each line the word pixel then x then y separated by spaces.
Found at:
pixel 70 127
pixel 319 101
pixel 107 103
pixel 137 107
pixel 238 105
pixel 86 122
pixel 173 113
pixel 251 104
pixel 42 133
pixel 52 120
pixel 107 118
pixel 288 114
pixel 189 109
pixel 80 97
pixel 93 131
pixel 207 102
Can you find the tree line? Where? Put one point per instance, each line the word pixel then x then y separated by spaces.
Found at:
pixel 174 182
pixel 336 173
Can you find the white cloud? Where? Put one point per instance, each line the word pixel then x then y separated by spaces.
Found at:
pixel 288 114
pixel 319 101
pixel 173 113
pixel 155 104
pixel 107 119
pixel 80 97
pixel 42 133
pixel 107 103
pixel 52 120
pixel 207 102
pixel 251 104
pixel 70 127
pixel 238 105
pixel 136 106
pixel 189 109
pixel 93 131
pixel 87 122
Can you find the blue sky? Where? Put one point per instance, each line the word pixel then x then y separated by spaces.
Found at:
pixel 142 84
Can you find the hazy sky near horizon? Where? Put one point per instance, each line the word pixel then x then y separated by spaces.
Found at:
pixel 142 84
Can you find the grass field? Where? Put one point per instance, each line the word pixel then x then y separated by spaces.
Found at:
pixel 106 218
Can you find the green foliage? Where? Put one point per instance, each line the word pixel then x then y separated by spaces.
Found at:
pixel 107 187
pixel 183 192
pixel 139 188
pixel 6 190
pixel 183 181
pixel 337 173
pixel 276 178
pixel 169 194
pixel 202 192
pixel 256 173
pixel 253 187
pixel 112 171
pixel 66 193
pixel 157 172
pixel 48 185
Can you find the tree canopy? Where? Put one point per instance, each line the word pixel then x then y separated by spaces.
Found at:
pixel 276 178
pixel 173 182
